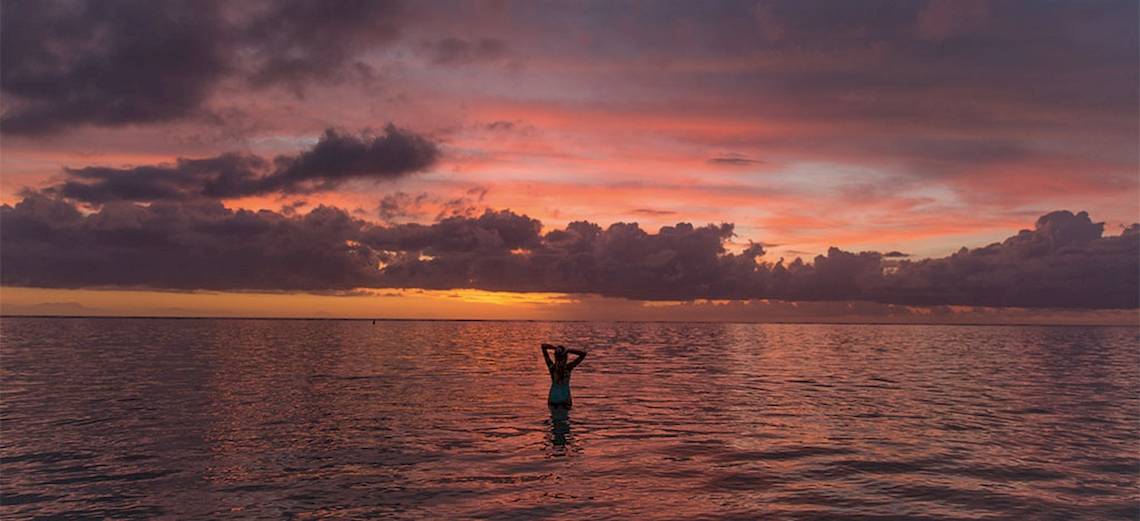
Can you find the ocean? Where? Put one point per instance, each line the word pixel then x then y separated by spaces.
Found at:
pixel 304 419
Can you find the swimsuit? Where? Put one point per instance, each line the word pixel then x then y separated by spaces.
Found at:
pixel 560 391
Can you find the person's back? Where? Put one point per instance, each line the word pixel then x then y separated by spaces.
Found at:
pixel 560 368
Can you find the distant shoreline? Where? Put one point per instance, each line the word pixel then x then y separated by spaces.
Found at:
pixel 353 319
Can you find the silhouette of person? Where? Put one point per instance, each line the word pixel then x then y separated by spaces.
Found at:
pixel 560 369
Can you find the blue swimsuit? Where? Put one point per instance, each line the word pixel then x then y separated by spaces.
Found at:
pixel 560 392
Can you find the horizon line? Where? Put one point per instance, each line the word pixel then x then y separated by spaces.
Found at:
pixel 623 321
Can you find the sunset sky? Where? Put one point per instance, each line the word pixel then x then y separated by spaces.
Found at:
pixel 438 159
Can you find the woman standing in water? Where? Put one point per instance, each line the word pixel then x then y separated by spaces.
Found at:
pixel 560 369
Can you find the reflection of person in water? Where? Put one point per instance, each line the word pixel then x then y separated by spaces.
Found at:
pixel 559 425
pixel 560 369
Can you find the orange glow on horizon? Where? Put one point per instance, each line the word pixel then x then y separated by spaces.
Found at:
pixel 471 304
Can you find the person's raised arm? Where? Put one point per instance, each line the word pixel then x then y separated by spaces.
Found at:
pixel 546 348
pixel 581 356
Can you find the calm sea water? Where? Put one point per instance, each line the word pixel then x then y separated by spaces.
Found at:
pixel 267 419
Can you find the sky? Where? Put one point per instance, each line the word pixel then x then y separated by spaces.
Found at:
pixel 960 161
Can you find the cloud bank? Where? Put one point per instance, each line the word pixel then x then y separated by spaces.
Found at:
pixel 1066 261
pixel 336 158
pixel 931 96
pixel 112 63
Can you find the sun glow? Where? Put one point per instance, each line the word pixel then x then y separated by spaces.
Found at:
pixel 509 297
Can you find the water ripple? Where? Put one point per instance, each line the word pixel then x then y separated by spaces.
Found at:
pixel 267 419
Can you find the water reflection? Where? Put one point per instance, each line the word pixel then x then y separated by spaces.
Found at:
pixel 199 419
pixel 559 426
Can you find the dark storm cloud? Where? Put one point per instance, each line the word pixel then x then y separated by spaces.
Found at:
pixel 183 246
pixel 106 63
pixel 946 65
pixel 295 41
pixel 1064 262
pixel 117 62
pixel 336 157
pixel 503 251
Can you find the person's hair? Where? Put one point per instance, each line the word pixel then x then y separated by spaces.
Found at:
pixel 561 354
